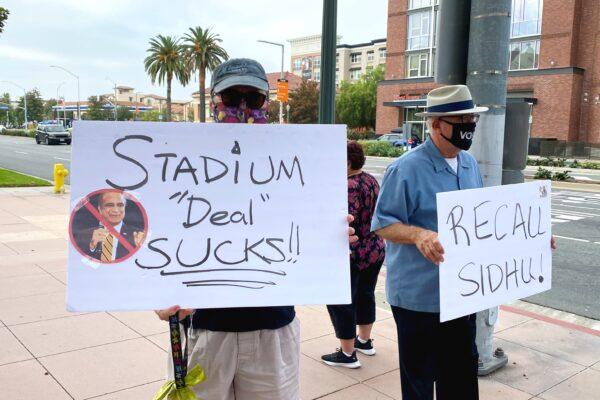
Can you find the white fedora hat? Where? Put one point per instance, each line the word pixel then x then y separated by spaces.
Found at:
pixel 450 100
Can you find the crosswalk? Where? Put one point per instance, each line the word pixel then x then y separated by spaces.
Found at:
pixel 569 206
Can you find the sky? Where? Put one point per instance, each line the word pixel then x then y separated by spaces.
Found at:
pixel 105 41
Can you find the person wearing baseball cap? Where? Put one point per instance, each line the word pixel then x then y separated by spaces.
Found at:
pixel 250 353
pixel 239 90
pixel 406 217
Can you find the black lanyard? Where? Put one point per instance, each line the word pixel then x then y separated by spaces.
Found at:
pixel 179 353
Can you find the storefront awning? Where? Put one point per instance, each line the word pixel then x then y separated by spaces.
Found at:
pixel 406 103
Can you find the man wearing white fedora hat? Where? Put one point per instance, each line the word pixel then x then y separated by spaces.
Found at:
pixel 406 216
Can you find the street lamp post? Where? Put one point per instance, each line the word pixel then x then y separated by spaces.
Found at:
pixel 282 74
pixel 24 99
pixel 115 102
pixel 328 40
pixel 57 100
pixel 77 77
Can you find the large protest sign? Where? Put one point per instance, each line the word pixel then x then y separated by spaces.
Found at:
pixel 207 215
pixel 497 246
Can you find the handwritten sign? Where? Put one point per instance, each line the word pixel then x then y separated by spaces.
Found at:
pixel 207 215
pixel 497 246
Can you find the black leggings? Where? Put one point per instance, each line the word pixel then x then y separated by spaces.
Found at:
pixel 361 311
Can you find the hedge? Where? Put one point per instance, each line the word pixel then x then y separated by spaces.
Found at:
pixel 361 135
pixel 380 148
pixel 562 162
pixel 19 132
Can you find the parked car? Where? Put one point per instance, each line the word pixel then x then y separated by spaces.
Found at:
pixel 396 139
pixel 50 134
pixel 414 141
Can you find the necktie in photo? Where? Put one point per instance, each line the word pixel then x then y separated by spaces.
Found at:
pixel 107 249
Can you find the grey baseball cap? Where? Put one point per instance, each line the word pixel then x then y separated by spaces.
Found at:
pixel 239 72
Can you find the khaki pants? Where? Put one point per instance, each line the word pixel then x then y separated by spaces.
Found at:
pixel 256 365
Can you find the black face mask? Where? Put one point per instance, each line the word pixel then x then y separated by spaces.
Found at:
pixel 462 134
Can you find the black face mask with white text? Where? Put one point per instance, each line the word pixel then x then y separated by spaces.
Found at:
pixel 462 134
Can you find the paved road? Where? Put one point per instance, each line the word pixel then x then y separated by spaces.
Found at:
pixel 23 155
pixel 576 263
pixel 575 218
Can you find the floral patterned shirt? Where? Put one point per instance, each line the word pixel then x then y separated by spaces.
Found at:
pixel 363 190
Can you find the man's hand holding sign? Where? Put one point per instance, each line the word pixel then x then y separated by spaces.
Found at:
pixel 498 246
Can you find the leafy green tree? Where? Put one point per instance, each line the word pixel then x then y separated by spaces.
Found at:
pixel 152 115
pixel 165 62
pixel 49 113
pixel 273 112
pixel 356 102
pixel 124 114
pixel 6 115
pixel 203 51
pixel 3 17
pixel 96 110
pixel 35 106
pixel 304 103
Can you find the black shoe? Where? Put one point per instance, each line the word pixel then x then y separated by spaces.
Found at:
pixel 339 359
pixel 365 348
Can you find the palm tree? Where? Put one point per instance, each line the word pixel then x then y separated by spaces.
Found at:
pixel 203 51
pixel 166 60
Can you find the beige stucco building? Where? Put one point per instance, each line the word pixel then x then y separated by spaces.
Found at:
pixel 352 60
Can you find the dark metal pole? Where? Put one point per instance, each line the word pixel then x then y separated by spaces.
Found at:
pixel 452 40
pixel 328 44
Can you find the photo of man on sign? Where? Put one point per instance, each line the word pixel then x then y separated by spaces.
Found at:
pixel 108 228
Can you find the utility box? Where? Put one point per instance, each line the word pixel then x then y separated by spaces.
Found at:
pixel 516 142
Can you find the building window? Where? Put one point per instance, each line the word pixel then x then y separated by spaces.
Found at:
pixel 337 77
pixel 526 28
pixel 382 53
pixel 355 74
pixel 414 4
pixel 355 57
pixel 524 55
pixel 130 98
pixel 417 65
pixel 337 58
pixel 419 127
pixel 317 62
pixel 148 101
pixel 526 18
pixel 317 76
pixel 418 30
pixel 370 56
pixel 297 64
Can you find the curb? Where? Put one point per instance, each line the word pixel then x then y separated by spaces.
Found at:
pixel 554 321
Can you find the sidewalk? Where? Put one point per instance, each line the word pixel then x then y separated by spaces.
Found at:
pixel 47 353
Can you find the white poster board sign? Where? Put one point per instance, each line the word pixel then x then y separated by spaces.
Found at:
pixel 497 246
pixel 207 215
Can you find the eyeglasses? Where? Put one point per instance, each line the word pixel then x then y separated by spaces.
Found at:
pixel 467 118
pixel 233 98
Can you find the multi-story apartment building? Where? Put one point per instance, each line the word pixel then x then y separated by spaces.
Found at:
pixel 554 64
pixel 352 60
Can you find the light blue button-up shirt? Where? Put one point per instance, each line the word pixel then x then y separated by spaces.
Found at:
pixel 407 196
